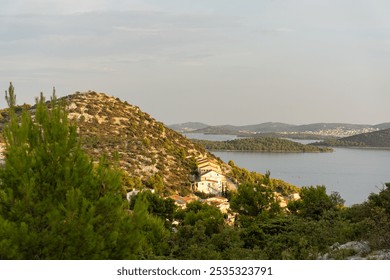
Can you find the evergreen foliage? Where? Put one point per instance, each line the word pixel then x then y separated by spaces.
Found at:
pixel 54 203
pixel 338 143
pixel 314 203
pixel 254 200
pixel 164 209
pixel 373 218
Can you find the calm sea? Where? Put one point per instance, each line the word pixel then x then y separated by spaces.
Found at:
pixel 354 173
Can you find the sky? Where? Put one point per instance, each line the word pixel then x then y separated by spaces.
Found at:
pixel 212 61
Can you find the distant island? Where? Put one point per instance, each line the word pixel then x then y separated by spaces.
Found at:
pixel 332 134
pixel 306 131
pixel 261 144
pixel 376 139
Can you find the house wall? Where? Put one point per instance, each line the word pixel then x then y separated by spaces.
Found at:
pixel 212 176
pixel 208 187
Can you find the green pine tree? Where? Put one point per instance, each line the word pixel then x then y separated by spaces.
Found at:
pixel 54 202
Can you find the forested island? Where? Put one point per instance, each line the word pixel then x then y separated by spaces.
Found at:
pixel 339 143
pixel 261 144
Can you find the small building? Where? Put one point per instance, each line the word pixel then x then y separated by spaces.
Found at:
pixel 206 166
pixel 179 202
pixel 220 202
pixel 182 201
pixel 211 182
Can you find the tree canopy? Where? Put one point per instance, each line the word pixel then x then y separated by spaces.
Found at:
pixel 55 203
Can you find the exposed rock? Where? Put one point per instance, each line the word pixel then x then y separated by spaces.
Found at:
pixel 360 248
pixel 355 250
pixel 379 255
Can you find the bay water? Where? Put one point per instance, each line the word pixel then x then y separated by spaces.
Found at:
pixel 353 173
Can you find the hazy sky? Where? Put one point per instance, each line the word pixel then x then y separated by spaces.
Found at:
pixel 214 61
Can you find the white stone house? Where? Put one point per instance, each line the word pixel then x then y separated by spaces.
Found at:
pixel 211 182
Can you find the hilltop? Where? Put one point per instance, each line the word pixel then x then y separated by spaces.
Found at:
pixel 145 146
pixel 142 145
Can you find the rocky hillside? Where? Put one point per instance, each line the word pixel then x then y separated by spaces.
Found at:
pixel 143 146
